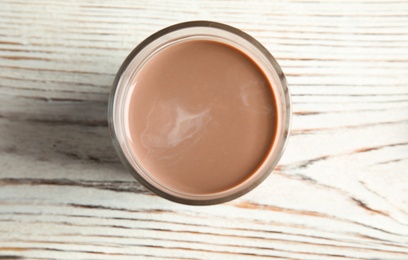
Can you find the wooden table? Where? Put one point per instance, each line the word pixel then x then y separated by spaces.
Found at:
pixel 340 191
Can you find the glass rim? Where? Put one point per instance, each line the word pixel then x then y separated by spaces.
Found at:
pixel 285 122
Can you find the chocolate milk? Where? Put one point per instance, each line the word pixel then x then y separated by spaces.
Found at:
pixel 202 117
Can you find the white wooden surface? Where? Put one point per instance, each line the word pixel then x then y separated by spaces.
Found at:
pixel 340 191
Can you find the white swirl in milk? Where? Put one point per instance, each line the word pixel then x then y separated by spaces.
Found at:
pixel 176 122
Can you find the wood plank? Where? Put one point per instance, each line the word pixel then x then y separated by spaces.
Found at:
pixel 339 192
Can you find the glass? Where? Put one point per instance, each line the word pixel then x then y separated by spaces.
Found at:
pixel 196 30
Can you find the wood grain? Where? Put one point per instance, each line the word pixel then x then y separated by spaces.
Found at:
pixel 340 191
